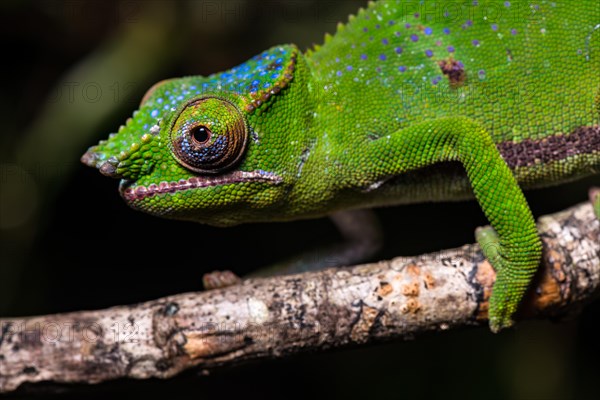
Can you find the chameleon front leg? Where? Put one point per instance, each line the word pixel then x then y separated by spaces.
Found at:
pixel 361 238
pixel 514 249
pixel 361 235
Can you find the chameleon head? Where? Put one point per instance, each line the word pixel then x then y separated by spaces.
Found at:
pixel 197 149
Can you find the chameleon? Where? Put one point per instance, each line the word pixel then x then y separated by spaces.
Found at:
pixel 407 102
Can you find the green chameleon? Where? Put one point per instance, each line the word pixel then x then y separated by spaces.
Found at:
pixel 408 102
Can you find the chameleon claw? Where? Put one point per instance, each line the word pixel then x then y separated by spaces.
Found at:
pixel 219 279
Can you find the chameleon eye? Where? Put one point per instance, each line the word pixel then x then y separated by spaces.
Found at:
pixel 201 135
pixel 209 135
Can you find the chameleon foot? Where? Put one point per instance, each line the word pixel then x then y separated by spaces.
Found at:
pixel 219 279
pixel 512 275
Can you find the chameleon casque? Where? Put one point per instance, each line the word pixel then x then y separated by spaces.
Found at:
pixel 407 102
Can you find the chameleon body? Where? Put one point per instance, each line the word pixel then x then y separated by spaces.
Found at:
pixel 407 102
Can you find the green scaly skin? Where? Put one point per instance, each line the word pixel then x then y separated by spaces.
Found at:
pixel 394 108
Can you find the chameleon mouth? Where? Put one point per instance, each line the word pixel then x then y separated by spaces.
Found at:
pixel 132 193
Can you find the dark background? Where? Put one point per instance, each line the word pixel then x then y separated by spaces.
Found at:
pixel 73 71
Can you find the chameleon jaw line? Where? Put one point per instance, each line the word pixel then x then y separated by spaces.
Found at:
pixel 131 193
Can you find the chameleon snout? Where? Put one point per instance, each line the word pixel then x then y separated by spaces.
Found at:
pixel 90 159
pixel 106 168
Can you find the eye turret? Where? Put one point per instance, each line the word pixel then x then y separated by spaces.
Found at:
pixel 209 135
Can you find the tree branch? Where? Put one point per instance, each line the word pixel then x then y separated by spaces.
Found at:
pixel 278 316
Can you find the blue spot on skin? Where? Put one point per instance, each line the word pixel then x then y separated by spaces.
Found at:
pixel 363 56
pixel 414 37
pixel 382 57
pixel 428 53
pixel 494 27
pixel 446 31
pixel 450 49
pixel 428 31
pixel 384 41
pixel 154 113
pixel 398 50
pixel 402 68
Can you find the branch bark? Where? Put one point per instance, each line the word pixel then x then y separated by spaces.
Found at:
pixel 274 317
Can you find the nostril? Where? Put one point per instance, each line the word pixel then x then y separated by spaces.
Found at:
pixel 89 158
pixel 109 169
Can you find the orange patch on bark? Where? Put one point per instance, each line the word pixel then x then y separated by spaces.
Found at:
pixel 549 292
pixel 412 269
pixel 486 276
pixel 360 331
pixel 411 306
pixel 429 281
pixel 411 289
pixel 384 289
